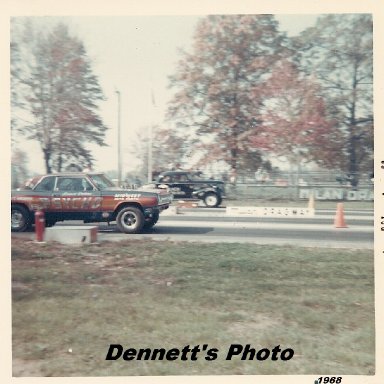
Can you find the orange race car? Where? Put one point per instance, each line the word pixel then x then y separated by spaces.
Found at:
pixel 90 197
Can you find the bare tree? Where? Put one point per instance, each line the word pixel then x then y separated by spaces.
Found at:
pixel 338 52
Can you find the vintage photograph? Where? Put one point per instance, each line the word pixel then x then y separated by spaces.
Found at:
pixel 193 195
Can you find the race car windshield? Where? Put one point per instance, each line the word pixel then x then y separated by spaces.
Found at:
pixel 31 183
pixel 102 182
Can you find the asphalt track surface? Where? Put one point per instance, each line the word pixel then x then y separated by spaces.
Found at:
pixel 214 225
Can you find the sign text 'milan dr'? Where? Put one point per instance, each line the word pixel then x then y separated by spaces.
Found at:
pixel 337 194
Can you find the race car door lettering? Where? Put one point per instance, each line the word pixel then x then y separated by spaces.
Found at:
pixel 74 203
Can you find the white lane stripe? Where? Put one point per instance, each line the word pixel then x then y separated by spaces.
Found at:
pixel 218 216
pixel 262 225
pixel 203 215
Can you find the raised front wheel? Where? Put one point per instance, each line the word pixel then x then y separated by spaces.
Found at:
pixel 149 223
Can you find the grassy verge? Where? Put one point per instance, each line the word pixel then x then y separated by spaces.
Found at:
pixel 71 302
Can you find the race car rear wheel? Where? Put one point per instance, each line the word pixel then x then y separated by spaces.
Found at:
pixel 20 218
pixel 130 220
pixel 212 200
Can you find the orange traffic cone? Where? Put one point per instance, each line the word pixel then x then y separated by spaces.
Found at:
pixel 339 218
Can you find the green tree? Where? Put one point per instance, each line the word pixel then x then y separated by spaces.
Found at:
pixel 338 53
pixel 62 98
pixel 220 86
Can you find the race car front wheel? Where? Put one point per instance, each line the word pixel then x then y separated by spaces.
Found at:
pixel 149 223
pixel 212 200
pixel 130 220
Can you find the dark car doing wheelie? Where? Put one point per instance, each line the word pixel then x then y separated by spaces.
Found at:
pixel 90 197
pixel 193 185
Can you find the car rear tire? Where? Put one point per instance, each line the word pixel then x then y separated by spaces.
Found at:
pixel 212 200
pixel 130 220
pixel 21 219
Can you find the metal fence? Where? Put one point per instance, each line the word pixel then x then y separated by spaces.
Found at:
pixel 297 186
pixel 288 192
pixel 302 178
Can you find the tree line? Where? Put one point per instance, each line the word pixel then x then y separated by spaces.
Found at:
pixel 247 93
pixel 243 94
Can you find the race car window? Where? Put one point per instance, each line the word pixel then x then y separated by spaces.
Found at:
pixel 198 176
pixel 46 184
pixel 73 184
pixel 180 178
pixel 84 185
pixel 166 179
pixel 101 181
pixel 64 184
pixel 87 186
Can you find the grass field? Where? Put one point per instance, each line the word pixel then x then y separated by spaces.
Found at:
pixel 71 302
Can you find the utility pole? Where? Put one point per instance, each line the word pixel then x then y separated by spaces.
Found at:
pixel 150 143
pixel 150 139
pixel 118 138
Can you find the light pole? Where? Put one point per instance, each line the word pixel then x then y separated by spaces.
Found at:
pixel 150 144
pixel 118 138
pixel 150 139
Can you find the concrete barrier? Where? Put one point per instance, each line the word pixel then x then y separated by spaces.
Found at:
pixel 270 211
pixel 71 234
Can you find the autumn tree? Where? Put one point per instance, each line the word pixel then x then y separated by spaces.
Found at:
pixel 295 124
pixel 61 99
pixel 220 85
pixel 338 53
pixel 167 149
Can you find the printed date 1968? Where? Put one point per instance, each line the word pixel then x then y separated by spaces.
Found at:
pixel 328 380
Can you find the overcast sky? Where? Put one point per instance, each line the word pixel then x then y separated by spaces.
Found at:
pixel 135 55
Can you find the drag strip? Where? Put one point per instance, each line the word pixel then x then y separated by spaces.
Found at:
pixel 287 231
pixel 205 225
